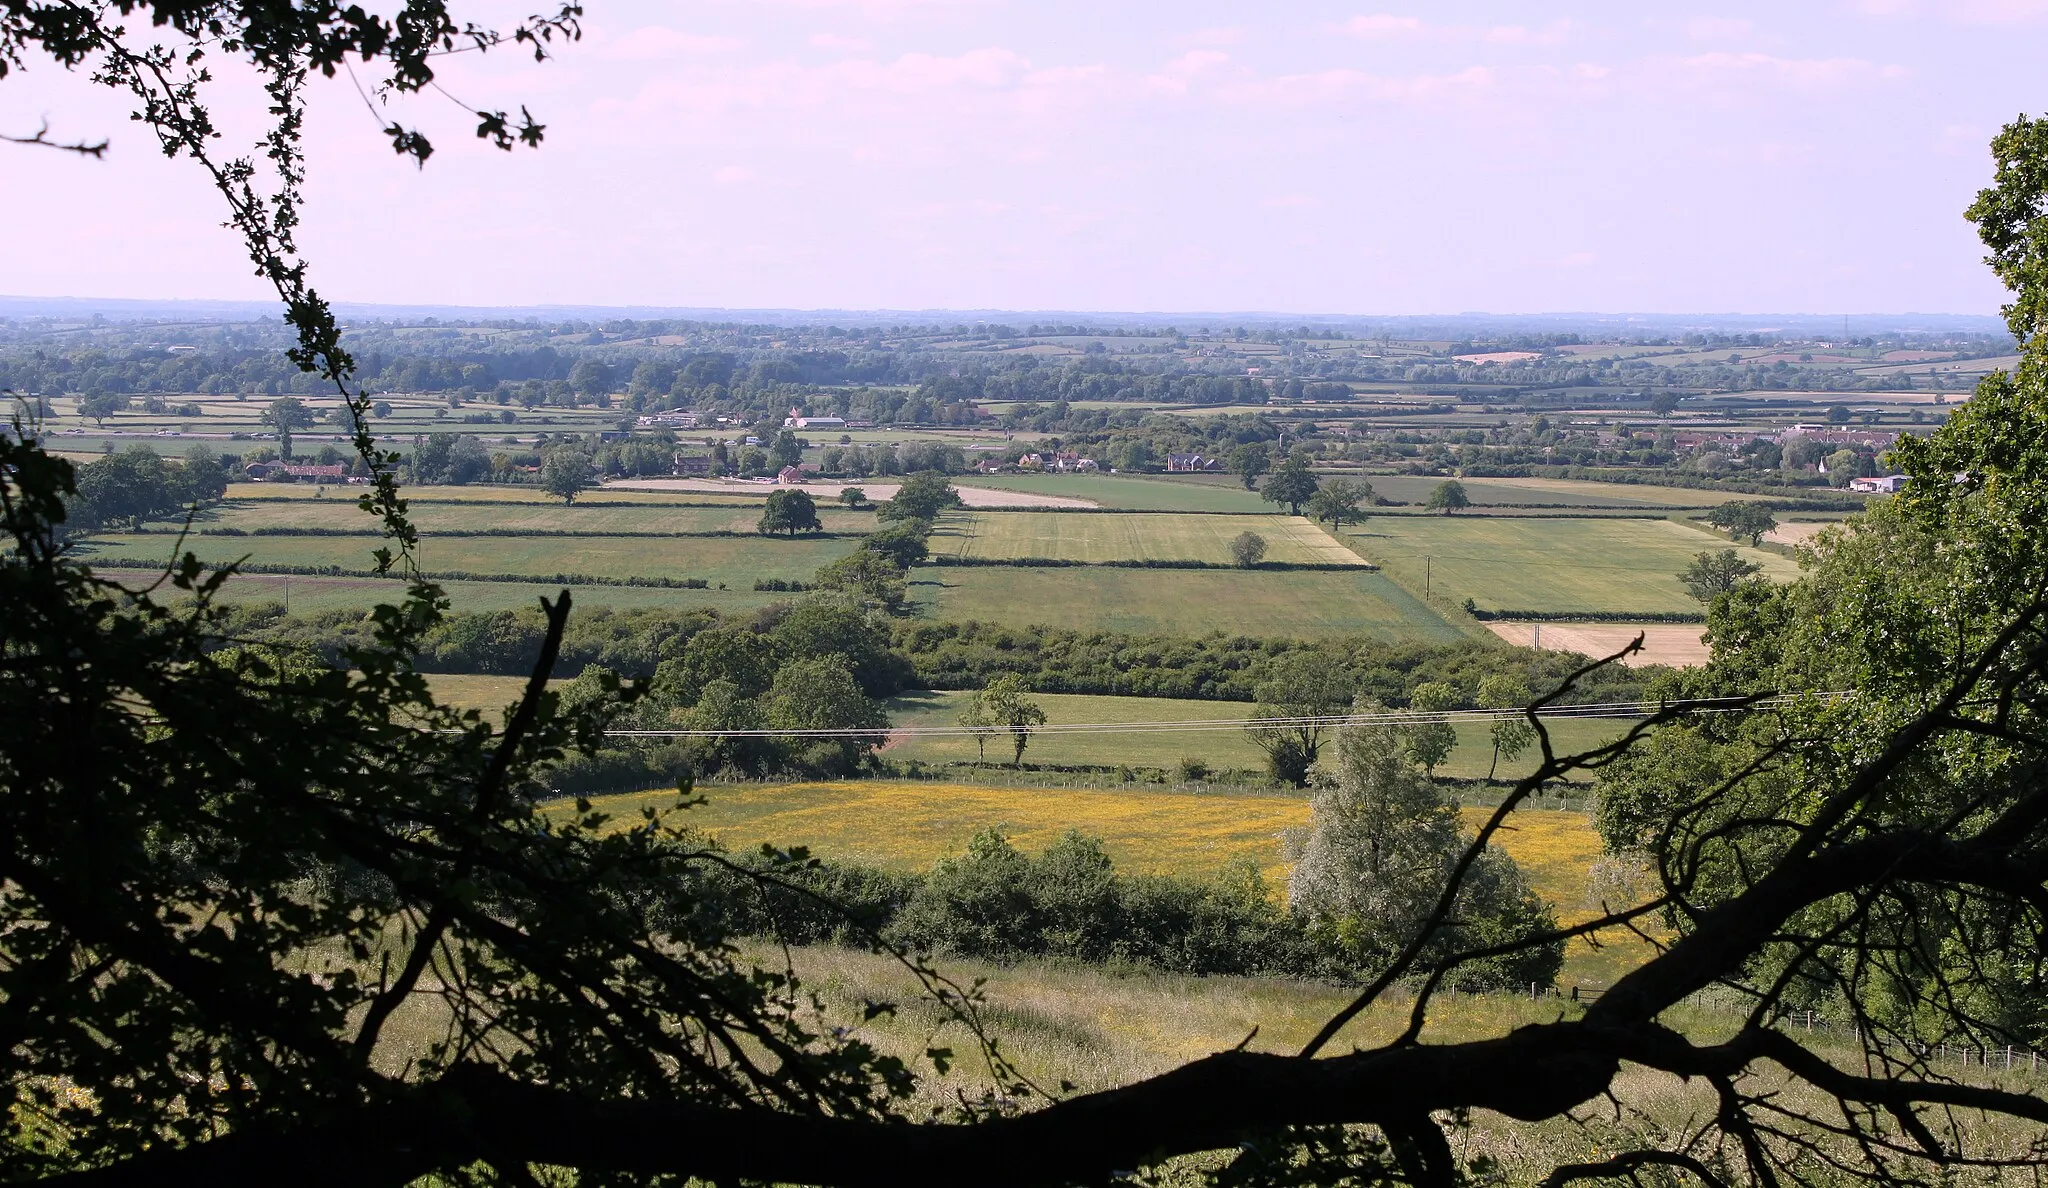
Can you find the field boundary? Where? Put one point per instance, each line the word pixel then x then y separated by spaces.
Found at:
pixel 957 562
pixel 359 533
pixel 444 575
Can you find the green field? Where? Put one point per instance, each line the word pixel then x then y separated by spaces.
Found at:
pixel 422 496
pixel 1071 536
pixel 1598 566
pixel 1131 493
pixel 736 561
pixel 1219 748
pixel 311 595
pixel 595 519
pixel 1415 489
pixel 1182 601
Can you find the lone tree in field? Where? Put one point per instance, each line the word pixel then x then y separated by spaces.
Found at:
pixel 1292 484
pixel 1449 497
pixel 1510 735
pixel 271 915
pixel 565 472
pixel 1710 575
pixel 1430 740
pixel 102 405
pixel 921 497
pixel 1248 549
pixel 853 496
pixel 976 719
pixel 286 417
pixel 1340 501
pixel 1298 693
pixel 1009 707
pixel 789 511
pixel 1743 517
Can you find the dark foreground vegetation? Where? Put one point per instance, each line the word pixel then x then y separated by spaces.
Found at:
pixel 262 918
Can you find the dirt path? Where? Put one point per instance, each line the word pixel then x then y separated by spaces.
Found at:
pixel 826 492
pixel 1676 644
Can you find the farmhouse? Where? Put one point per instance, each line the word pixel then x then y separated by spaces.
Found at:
pixel 1182 463
pixel 1884 484
pixel 274 471
pixel 791 475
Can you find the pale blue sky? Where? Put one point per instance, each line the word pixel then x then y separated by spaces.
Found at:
pixel 1200 155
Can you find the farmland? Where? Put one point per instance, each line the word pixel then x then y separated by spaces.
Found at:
pixel 1218 747
pixel 734 561
pixel 1126 493
pixel 1290 540
pixel 1564 566
pixel 313 595
pixel 586 519
pixel 1295 604
pixel 1538 492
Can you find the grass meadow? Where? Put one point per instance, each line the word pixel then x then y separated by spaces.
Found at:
pixel 1298 604
pixel 1066 536
pixel 423 495
pixel 1219 748
pixel 1486 492
pixel 1132 493
pixel 311 595
pixel 593 519
pixel 1596 566
pixel 734 561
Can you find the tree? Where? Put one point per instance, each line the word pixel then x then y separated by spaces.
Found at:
pixel 1743 517
pixel 1382 845
pixel 285 416
pixel 853 496
pixel 789 511
pixel 1248 549
pixel 819 693
pixel 1510 735
pixel 1010 709
pixel 1248 462
pixel 787 450
pixel 381 409
pixel 921 497
pixel 1430 740
pixel 278 853
pixel 565 472
pixel 1338 502
pixel 102 405
pixel 1292 484
pixel 1710 575
pixel 1449 497
pixel 975 718
pixel 904 543
pixel 1301 691
pixel 591 378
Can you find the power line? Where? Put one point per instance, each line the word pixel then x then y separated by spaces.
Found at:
pixel 1603 710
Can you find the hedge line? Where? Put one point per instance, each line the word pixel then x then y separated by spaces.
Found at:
pixel 1589 616
pixel 289 530
pixel 1067 563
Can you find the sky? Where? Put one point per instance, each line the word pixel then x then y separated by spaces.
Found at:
pixel 1115 155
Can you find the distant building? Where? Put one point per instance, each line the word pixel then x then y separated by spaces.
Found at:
pixel 693 464
pixel 275 471
pixel 1884 484
pixel 989 466
pixel 1031 462
pixel 791 475
pixel 1187 463
pixel 796 420
pixel 674 419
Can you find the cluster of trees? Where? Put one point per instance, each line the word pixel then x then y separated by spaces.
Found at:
pixel 137 485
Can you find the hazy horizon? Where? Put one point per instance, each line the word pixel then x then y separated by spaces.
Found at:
pixel 927 155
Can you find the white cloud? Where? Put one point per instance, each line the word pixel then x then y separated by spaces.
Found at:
pixel 1382 24
pixel 1222 35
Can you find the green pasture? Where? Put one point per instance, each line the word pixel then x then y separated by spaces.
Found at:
pixel 1547 565
pixel 419 497
pixel 1182 601
pixel 1415 489
pixel 736 561
pixel 1131 493
pixel 1218 747
pixel 1140 536
pixel 593 519
pixel 312 595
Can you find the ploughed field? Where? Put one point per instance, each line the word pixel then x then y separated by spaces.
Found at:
pixel 1135 536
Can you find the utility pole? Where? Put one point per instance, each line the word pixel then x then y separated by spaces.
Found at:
pixel 287 594
pixel 1428 571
